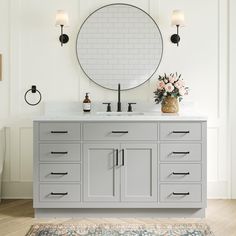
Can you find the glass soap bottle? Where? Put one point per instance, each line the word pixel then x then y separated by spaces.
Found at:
pixel 86 104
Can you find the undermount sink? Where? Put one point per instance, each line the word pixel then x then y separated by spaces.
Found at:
pixel 120 113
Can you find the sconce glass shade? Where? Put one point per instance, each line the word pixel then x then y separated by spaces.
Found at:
pixel 177 18
pixel 62 18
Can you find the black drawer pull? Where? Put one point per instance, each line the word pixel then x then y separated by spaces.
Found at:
pixel 180 153
pixel 58 194
pixel 123 157
pixel 120 132
pixel 59 153
pixel 179 173
pixel 59 132
pixel 181 194
pixel 117 160
pixel 181 132
pixel 59 173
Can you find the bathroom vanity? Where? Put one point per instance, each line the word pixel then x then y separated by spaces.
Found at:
pixel 120 165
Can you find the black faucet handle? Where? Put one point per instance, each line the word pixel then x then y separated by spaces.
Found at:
pixel 130 109
pixel 108 106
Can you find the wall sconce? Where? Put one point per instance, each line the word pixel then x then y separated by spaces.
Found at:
pixel 62 20
pixel 177 20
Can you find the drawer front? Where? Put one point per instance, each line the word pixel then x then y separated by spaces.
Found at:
pixel 59 152
pixel 59 131
pixel 180 152
pixel 180 172
pixel 120 131
pixel 180 131
pixel 59 172
pixel 180 193
pixel 59 192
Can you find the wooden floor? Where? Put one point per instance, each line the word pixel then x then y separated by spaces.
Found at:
pixel 16 217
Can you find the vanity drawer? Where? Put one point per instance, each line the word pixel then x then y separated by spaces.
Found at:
pixel 59 131
pixel 180 131
pixel 180 193
pixel 120 131
pixel 180 152
pixel 59 192
pixel 180 172
pixel 59 152
pixel 59 172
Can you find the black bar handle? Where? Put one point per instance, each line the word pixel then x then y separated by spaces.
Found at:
pixel 59 152
pixel 185 153
pixel 181 194
pixel 130 108
pixel 123 157
pixel 58 194
pixel 59 173
pixel 180 173
pixel 59 132
pixel 117 160
pixel 108 106
pixel 120 132
pixel 181 132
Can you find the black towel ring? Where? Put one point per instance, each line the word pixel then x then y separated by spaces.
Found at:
pixel 33 90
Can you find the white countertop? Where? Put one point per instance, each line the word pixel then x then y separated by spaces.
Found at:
pixel 146 116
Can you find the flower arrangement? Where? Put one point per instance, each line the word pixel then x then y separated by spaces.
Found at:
pixel 170 86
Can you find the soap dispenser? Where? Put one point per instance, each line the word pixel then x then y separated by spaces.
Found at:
pixel 87 103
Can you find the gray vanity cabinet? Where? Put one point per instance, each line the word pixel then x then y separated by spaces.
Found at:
pixel 148 167
pixel 120 172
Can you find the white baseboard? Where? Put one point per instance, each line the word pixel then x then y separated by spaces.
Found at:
pixel 218 190
pixel 24 190
pixel 17 190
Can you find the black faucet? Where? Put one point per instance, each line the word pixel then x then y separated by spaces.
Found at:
pixel 119 103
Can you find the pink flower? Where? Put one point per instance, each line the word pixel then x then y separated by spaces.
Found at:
pixel 169 87
pixel 160 84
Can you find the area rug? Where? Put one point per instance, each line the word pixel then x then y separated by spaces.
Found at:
pixel 120 230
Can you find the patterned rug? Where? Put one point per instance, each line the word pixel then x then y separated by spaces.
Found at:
pixel 120 230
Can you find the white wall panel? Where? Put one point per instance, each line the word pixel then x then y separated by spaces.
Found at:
pixel 213 154
pixel 232 85
pixel 26 154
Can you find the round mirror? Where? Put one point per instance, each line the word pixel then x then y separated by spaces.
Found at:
pixel 119 43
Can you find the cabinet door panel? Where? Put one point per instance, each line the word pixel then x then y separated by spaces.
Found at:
pixel 139 172
pixel 101 173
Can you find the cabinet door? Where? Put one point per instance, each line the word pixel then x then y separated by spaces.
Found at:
pixel 101 173
pixel 139 172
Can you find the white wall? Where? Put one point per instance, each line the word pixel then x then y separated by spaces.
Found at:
pixel 33 55
pixel 232 86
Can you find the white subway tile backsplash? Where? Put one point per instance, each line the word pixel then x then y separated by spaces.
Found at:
pixel 119 43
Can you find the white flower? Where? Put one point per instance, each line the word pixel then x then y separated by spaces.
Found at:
pixel 179 84
pixel 166 80
pixel 182 91
pixel 160 84
pixel 169 87
pixel 182 81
